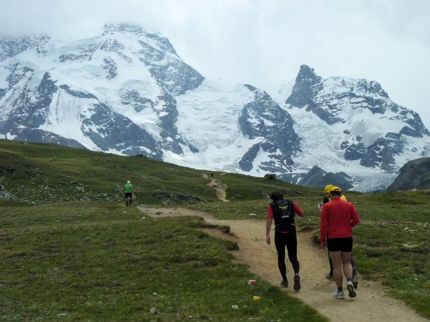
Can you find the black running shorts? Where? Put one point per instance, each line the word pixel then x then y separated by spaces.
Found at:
pixel 339 244
pixel 128 195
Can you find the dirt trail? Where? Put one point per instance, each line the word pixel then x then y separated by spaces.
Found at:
pixel 371 303
pixel 219 187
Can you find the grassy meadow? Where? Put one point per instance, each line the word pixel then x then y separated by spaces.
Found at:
pixel 71 250
pixel 102 261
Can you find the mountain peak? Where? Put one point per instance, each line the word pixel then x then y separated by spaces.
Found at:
pixel 122 27
pixel 307 72
pixel 161 43
pixel 302 92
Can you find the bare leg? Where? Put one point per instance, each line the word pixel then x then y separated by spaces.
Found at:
pixel 346 263
pixel 329 274
pixel 347 270
pixel 331 265
pixel 354 272
pixel 336 258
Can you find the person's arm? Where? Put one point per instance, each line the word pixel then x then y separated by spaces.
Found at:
pixel 323 227
pixel 268 226
pixel 269 223
pixel 355 217
pixel 298 210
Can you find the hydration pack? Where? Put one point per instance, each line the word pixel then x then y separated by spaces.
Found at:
pixel 283 214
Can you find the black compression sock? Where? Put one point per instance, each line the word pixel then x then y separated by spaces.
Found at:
pixel 340 289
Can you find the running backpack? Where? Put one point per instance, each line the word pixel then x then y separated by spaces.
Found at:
pixel 283 214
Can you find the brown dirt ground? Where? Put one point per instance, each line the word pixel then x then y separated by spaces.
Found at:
pixel 219 187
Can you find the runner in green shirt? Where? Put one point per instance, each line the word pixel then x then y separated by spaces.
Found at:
pixel 128 191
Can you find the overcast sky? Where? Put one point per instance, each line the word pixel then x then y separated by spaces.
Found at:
pixel 263 42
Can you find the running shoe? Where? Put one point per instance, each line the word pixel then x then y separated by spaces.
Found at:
pixel 355 281
pixel 284 284
pixel 297 286
pixel 351 289
pixel 338 295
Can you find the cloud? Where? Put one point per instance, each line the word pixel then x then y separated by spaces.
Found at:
pixel 264 42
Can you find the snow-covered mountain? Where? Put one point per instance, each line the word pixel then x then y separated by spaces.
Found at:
pixel 127 91
pixel 352 125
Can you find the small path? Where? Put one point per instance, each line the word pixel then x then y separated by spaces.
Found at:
pixel 372 304
pixel 219 187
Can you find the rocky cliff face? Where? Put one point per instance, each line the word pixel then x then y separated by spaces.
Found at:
pixel 317 177
pixel 263 118
pixel 413 175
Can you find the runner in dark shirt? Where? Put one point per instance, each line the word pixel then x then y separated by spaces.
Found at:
pixel 282 211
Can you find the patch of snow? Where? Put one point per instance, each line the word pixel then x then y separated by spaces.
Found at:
pixel 367 182
pixel 10 136
pixel 64 117
pixel 4 73
pixel 208 117
pixel 281 94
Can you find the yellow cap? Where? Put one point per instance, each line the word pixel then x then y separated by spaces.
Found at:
pixel 327 188
pixel 335 189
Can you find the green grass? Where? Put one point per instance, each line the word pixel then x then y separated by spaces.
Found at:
pixel 397 254
pixel 37 173
pixel 98 261
pixel 393 244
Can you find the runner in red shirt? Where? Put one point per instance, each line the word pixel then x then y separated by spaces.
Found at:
pixel 282 211
pixel 329 275
pixel 337 220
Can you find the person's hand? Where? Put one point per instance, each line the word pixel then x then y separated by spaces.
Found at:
pixel 323 244
pixel 268 239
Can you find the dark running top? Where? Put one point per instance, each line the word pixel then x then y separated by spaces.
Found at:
pixel 282 212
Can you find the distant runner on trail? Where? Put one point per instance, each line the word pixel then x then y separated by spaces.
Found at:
pixel 337 220
pixel 329 275
pixel 128 191
pixel 282 211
